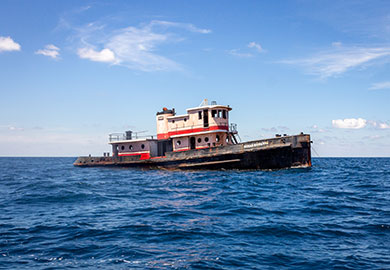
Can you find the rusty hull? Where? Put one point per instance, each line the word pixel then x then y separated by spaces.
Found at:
pixel 275 153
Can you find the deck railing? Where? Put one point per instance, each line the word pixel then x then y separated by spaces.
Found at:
pixel 114 137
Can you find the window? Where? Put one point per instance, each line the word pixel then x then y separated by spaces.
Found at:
pixel 213 113
pixel 185 119
pixel 142 146
pixel 173 121
pixel 206 139
pixel 178 142
pixel 130 147
pixel 200 115
pixel 219 113
pixel 123 147
pixel 199 140
pixel 224 114
pixel 217 138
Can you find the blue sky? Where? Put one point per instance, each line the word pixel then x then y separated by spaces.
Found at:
pixel 74 71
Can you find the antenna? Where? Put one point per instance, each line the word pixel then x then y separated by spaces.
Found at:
pixel 205 102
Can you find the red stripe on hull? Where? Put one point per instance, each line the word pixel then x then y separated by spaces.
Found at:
pixel 181 150
pixel 142 155
pixel 162 136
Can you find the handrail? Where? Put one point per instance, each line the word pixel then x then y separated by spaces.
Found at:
pixel 233 128
pixel 113 137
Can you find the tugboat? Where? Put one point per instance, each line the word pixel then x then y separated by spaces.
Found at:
pixel 202 139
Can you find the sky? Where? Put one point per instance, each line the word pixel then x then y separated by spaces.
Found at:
pixel 71 72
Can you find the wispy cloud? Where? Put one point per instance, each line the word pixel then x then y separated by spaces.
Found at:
pixel 379 125
pixel 132 47
pixel 243 54
pixel 276 129
pixel 317 129
pixel 350 123
pixel 339 60
pixel 380 85
pixel 256 46
pixel 8 44
pixel 50 50
pixel 373 137
pixel 187 26
pixel 238 53
pixel 11 128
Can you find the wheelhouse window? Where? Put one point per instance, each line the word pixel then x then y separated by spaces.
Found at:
pixel 224 114
pixel 213 113
pixel 219 113
pixel 200 115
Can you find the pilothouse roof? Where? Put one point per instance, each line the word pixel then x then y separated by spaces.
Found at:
pixel 205 105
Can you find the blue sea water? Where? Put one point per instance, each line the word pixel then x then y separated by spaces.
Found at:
pixel 335 215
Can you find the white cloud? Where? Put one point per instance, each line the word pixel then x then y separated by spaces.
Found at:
pixel 187 26
pixel 373 137
pixel 256 46
pixel 7 44
pixel 380 85
pixel 105 55
pixel 132 47
pixel 380 125
pixel 337 44
pixel 238 53
pixel 350 123
pixel 317 129
pixel 49 50
pixel 384 126
pixel 340 60
pixel 135 48
pixel 12 128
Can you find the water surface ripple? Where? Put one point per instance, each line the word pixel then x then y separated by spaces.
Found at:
pixel 333 216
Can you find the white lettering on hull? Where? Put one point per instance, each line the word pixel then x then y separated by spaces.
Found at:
pixel 255 144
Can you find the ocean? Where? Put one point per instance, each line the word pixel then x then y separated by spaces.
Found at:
pixel 335 215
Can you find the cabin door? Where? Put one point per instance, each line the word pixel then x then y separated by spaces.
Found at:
pixel 205 118
pixel 192 143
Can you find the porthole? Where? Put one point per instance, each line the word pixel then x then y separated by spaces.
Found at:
pixel 178 142
pixel 199 140
pixel 142 146
pixel 131 147
pixel 173 121
pixel 185 119
pixel 217 138
pixel 123 147
pixel 206 139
